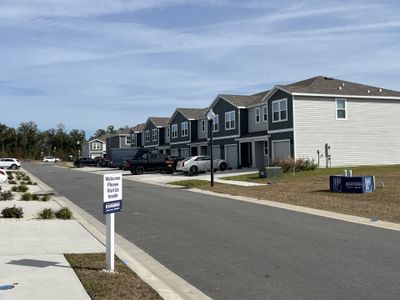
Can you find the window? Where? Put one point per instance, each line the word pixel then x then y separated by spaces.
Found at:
pixel 341 109
pixel 174 129
pixel 147 136
pixel 127 140
pixel 133 141
pixel 266 148
pixel 216 123
pixel 154 134
pixel 230 120
pixel 265 113
pixel 258 115
pixel 184 128
pixel 279 110
pixel 167 131
pixel 96 146
pixel 203 125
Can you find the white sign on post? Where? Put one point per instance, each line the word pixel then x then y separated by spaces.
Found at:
pixel 112 202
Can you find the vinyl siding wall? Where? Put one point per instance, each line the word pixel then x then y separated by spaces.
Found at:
pixel 200 133
pixel 253 126
pixel 369 136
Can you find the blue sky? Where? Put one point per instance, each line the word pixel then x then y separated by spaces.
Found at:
pixel 88 64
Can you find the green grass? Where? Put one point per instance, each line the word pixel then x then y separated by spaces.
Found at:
pixel 357 171
pixel 192 183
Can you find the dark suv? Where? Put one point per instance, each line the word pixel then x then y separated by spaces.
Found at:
pixel 85 161
pixel 150 162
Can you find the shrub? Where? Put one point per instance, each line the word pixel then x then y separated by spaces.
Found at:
pixel 64 213
pixel 9 173
pixel 46 213
pixel 29 182
pixel 26 196
pixel 12 182
pixel 6 195
pixel 26 178
pixel 299 165
pixel 19 177
pixel 22 188
pixel 45 198
pixel 12 212
pixel 14 189
pixel 35 197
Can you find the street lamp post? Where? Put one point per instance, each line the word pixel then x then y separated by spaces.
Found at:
pixel 211 117
pixel 78 148
pixel 131 135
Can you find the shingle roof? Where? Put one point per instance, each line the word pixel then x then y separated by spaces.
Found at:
pixel 159 121
pixel 245 100
pixel 192 113
pixel 138 127
pixel 328 85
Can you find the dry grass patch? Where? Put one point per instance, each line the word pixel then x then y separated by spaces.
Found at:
pixel 311 189
pixel 124 284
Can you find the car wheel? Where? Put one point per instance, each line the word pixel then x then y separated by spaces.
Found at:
pixel 194 170
pixel 139 170
pixel 223 166
pixel 13 167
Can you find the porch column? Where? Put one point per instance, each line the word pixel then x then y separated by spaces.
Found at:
pixel 253 154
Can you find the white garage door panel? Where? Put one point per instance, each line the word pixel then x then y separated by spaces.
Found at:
pixel 232 155
pixel 281 150
pixel 216 151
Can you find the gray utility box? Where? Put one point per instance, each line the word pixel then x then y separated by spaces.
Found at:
pixel 269 172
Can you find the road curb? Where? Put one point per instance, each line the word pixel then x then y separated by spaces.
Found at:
pixel 161 279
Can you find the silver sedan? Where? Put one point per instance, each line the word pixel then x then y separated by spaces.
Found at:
pixel 202 163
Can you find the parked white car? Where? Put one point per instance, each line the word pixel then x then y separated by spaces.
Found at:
pixel 200 163
pixel 52 159
pixel 9 163
pixel 3 176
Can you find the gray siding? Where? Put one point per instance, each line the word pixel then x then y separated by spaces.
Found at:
pixel 178 119
pixel 285 124
pixel 220 108
pixel 253 126
pixel 369 136
pixel 200 133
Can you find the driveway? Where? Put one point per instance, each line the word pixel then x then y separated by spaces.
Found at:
pixel 237 250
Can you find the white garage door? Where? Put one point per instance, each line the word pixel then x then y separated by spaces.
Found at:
pixel 185 152
pixel 232 156
pixel 216 151
pixel 281 150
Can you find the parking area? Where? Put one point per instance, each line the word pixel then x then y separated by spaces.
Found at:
pixel 162 178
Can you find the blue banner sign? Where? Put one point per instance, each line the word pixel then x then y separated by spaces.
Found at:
pixel 112 206
pixel 360 184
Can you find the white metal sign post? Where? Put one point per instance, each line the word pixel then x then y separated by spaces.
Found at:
pixel 112 202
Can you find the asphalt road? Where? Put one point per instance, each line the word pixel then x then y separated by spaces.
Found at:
pixel 236 250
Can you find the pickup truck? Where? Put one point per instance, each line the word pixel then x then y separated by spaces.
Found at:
pixel 150 162
pixel 84 161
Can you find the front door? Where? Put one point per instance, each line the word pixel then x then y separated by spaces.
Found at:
pixel 245 154
pixel 193 151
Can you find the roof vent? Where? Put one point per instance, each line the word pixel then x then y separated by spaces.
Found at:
pixel 340 87
pixel 380 90
pixel 368 91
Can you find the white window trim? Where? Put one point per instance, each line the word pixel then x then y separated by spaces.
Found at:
pixel 265 113
pixel 184 129
pixel 258 114
pixel 174 130
pixel 147 136
pixel 126 140
pixel 280 110
pixel 266 148
pixel 96 146
pixel 154 135
pixel 168 132
pixel 345 109
pixel 203 125
pixel 216 123
pixel 232 113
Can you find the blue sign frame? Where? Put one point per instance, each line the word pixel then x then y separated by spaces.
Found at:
pixel 112 207
pixel 360 184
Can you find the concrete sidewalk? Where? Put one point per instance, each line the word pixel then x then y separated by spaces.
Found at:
pixel 32 260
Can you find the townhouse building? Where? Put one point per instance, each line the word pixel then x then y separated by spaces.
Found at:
pixel 157 135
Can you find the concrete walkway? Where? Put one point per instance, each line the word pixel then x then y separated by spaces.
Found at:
pixel 32 261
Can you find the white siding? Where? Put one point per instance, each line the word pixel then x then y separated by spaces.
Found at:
pixel 369 136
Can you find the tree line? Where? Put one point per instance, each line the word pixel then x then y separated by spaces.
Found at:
pixel 28 142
